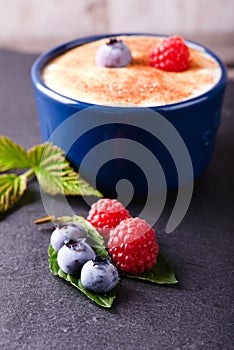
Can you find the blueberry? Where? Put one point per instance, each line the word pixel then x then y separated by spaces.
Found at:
pixel 66 232
pixel 74 231
pixel 115 53
pixel 72 256
pixel 99 275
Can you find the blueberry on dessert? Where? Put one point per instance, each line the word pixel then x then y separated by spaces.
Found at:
pixel 114 53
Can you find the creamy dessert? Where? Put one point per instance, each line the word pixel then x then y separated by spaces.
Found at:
pixel 75 74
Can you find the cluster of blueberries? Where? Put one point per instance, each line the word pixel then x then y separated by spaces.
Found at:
pixel 76 257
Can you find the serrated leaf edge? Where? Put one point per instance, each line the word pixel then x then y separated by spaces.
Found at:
pixel 8 199
pixel 6 144
pixel 68 182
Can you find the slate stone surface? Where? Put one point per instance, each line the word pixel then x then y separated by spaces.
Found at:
pixel 39 311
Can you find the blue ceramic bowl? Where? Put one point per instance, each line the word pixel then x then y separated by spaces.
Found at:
pixel 79 127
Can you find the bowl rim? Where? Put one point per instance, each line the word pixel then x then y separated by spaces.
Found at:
pixel 43 59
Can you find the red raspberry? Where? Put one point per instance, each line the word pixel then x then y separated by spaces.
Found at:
pixel 133 246
pixel 172 55
pixel 106 214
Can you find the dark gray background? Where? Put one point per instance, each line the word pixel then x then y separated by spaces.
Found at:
pixel 40 311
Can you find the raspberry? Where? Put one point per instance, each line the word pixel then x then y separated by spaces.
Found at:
pixel 171 55
pixel 106 214
pixel 133 246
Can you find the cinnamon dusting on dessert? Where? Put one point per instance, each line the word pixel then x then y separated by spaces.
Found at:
pixel 75 74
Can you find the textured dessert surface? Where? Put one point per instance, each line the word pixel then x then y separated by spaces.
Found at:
pixel 75 74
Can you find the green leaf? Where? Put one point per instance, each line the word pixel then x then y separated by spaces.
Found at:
pixel 104 299
pixel 12 156
pixel 12 188
pixel 54 173
pixel 161 273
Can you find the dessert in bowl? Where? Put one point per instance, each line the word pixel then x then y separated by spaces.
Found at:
pixel 113 103
pixel 75 74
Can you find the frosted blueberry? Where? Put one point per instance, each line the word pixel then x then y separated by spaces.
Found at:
pixel 72 256
pixel 99 275
pixel 115 53
pixel 69 231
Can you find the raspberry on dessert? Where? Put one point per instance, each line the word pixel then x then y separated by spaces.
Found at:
pixel 172 55
pixel 133 246
pixel 106 214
